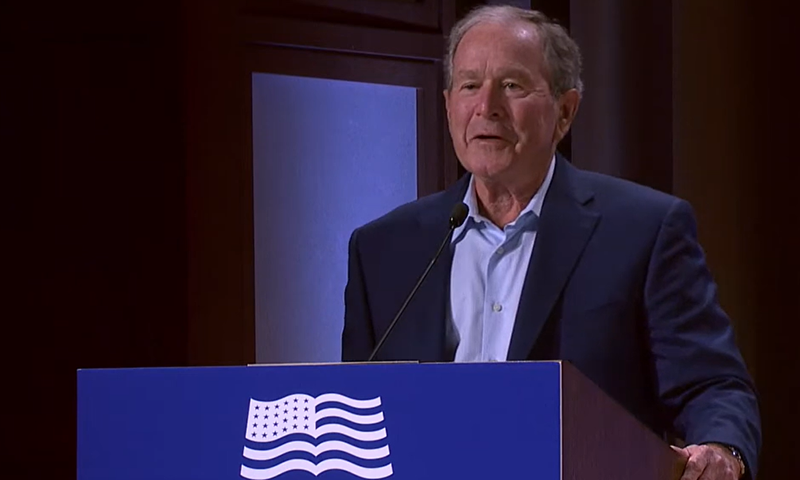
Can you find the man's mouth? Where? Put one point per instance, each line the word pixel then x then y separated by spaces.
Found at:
pixel 487 137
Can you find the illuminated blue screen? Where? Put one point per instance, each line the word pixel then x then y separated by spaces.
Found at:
pixel 328 156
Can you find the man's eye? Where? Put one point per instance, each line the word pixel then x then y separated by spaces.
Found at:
pixel 469 86
pixel 511 86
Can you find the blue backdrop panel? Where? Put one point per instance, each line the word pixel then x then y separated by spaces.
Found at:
pixel 328 156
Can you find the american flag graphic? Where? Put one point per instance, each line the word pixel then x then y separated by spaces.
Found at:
pixel 316 434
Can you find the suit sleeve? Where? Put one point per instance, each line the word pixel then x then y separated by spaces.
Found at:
pixel 357 335
pixel 702 379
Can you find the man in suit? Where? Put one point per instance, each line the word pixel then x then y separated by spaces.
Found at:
pixel 553 262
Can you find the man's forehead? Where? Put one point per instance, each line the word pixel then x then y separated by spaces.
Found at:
pixel 510 46
pixel 496 38
pixel 499 30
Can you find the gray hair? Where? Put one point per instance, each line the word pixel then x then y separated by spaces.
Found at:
pixel 562 56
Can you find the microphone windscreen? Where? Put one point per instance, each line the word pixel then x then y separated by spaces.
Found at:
pixel 458 215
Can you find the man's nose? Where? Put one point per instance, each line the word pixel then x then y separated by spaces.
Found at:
pixel 490 102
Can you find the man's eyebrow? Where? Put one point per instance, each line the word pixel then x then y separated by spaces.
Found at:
pixel 514 72
pixel 466 74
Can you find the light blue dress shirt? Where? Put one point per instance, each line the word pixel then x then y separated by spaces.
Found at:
pixel 488 271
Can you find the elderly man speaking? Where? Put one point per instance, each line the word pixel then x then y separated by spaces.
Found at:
pixel 551 262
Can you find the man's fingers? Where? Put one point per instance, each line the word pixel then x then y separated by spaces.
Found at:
pixel 707 462
pixel 695 467
pixel 683 453
pixel 720 469
pixel 719 472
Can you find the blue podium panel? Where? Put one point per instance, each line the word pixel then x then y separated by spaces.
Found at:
pixel 335 421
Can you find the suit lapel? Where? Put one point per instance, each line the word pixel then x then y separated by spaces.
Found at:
pixel 565 227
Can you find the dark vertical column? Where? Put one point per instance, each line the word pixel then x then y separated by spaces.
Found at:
pixel 712 167
pixel 735 138
pixel 624 125
pixel 774 173
pixel 218 186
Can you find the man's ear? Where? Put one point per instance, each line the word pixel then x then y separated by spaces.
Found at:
pixel 446 94
pixel 567 106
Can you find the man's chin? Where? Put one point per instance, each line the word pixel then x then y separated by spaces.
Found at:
pixel 488 167
pixel 491 175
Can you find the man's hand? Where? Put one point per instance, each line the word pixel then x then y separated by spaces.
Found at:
pixel 709 462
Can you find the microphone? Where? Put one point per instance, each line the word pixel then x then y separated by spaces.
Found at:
pixel 457 217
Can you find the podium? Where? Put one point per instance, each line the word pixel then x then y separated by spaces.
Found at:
pixel 486 421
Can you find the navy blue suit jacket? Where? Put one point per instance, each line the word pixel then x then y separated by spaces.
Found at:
pixel 617 285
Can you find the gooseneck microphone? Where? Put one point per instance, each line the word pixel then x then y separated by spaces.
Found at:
pixel 457 217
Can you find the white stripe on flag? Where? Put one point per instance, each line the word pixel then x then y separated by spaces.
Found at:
pixel 347 431
pixel 360 419
pixel 351 402
pixel 330 446
pixel 325 465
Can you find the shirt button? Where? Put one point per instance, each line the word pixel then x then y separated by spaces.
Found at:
pixel 497 307
pixel 501 251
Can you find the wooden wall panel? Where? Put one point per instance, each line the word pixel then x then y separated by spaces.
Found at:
pixel 624 124
pixel 415 14
pixel 218 185
pixel 734 160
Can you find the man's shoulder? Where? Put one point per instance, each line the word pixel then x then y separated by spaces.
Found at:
pixel 631 208
pixel 615 193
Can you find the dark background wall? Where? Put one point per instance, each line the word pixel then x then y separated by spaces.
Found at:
pixel 94 208
pixel 127 196
pixel 736 160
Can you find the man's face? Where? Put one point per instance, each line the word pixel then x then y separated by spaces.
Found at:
pixel 503 118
